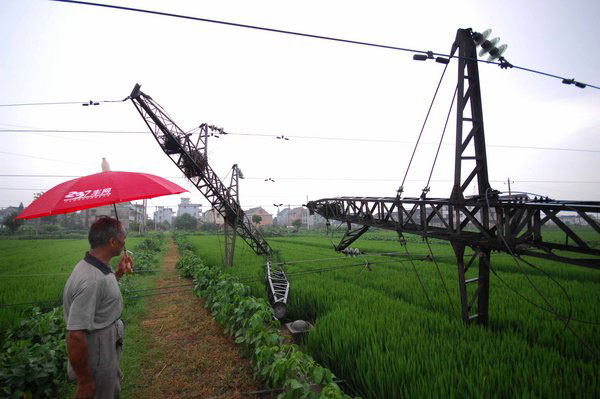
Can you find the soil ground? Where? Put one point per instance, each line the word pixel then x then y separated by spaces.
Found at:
pixel 188 355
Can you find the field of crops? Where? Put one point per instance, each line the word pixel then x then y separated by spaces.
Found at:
pixel 36 271
pixel 388 337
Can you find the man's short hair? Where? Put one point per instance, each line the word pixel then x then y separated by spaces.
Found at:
pixel 103 230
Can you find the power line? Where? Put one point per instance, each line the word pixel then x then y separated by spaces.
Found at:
pixel 71 131
pixel 66 274
pixel 414 180
pixel 332 179
pixel 365 264
pixel 22 189
pixel 42 134
pixel 321 37
pixel 33 104
pixel 43 158
pixel 313 179
pixel 158 291
pixel 83 103
pixel 367 140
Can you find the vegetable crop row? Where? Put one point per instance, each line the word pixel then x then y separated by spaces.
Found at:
pixel 250 321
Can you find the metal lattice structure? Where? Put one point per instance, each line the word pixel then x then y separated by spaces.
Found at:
pixel 485 222
pixel 230 226
pixel 278 288
pixel 191 157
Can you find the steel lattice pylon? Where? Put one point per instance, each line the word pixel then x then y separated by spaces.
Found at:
pixel 484 222
pixel 191 158
pixel 230 226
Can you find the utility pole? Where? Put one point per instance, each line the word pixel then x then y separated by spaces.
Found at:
pixel 307 216
pixel 508 182
pixel 231 222
pixel 278 205
pixel 143 223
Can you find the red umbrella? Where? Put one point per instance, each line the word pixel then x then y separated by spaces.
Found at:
pixel 97 190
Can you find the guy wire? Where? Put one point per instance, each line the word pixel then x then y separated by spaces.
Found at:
pixel 403 243
pixel 452 309
pixel 422 129
pixel 442 138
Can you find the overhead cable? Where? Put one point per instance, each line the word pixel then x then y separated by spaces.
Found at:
pixel 343 179
pixel 157 291
pixel 85 103
pixel 43 158
pixel 367 140
pixel 321 37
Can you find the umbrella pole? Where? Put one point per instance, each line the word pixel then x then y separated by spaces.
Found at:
pixel 116 213
pixel 117 216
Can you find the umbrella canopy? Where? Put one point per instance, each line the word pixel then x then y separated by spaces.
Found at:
pixel 97 190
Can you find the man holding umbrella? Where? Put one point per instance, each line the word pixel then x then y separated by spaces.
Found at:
pixel 91 298
pixel 92 308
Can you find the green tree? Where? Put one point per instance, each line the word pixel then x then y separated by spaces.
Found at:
pixel 11 222
pixel 134 226
pixel 256 219
pixel 185 222
pixel 164 225
pixel 297 223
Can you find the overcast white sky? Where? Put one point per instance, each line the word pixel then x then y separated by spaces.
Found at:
pixel 265 83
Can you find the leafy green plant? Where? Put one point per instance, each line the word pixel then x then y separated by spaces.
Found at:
pixel 33 358
pixel 145 252
pixel 250 321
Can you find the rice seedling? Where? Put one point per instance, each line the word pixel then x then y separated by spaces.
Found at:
pixel 379 331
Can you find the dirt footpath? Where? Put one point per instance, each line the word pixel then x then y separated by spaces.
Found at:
pixel 189 356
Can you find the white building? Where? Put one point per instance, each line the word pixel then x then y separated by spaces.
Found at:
pixel 194 210
pixel 212 216
pixel 163 214
pixel 127 213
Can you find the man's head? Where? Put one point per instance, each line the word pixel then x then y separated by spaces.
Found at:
pixel 107 233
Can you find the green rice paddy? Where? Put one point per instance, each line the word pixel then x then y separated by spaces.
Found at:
pixel 378 331
pixel 36 271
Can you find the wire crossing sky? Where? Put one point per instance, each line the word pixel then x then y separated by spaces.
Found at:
pixel 313 36
pixel 321 118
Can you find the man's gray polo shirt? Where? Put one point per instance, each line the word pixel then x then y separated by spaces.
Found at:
pixel 91 299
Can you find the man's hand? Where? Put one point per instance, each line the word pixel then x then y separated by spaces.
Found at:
pixel 125 265
pixel 86 391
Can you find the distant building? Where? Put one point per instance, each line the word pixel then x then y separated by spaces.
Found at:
pixel 212 216
pixel 163 214
pixel 310 221
pixel 127 212
pixel 287 216
pixel 194 210
pixel 266 217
